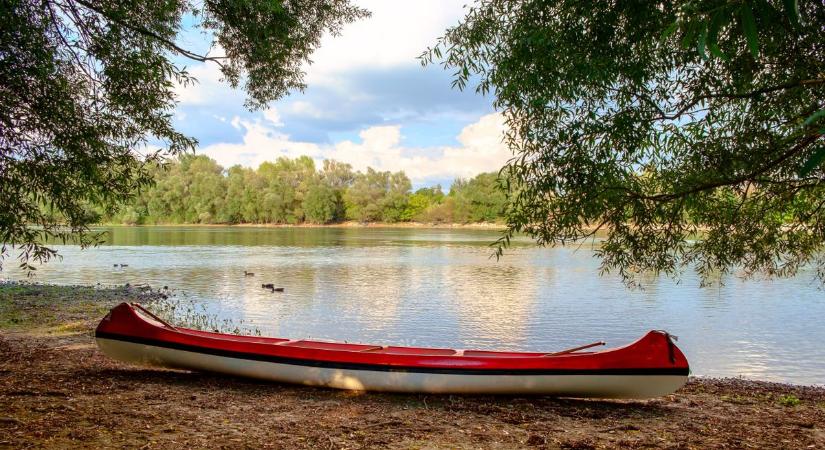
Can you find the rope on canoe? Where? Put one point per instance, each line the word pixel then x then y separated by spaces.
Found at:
pixel 670 338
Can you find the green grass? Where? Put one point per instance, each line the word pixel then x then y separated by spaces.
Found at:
pixel 75 309
pixel 32 306
pixel 789 400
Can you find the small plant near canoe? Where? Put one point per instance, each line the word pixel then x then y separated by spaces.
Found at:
pixel 789 400
pixel 187 313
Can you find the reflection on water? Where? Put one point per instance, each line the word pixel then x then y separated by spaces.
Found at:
pixel 440 288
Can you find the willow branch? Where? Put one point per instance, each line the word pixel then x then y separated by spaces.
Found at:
pixel 151 34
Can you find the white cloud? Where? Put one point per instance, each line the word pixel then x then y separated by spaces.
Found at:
pixel 208 89
pixel 481 150
pixel 368 75
pixel 396 34
pixel 271 115
pixel 301 108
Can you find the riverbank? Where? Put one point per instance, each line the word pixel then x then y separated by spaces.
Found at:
pixel 347 224
pixel 57 390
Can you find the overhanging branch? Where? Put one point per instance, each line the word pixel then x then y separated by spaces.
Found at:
pixel 665 197
pixel 151 34
pixel 739 95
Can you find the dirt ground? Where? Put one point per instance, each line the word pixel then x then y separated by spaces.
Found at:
pixel 58 391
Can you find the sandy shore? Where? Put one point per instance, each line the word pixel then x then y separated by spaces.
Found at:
pixel 58 391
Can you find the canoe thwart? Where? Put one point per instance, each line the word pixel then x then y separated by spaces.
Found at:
pixel 575 349
pixel 372 349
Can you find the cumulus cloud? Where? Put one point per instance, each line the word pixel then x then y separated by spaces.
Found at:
pixel 396 34
pixel 207 89
pixel 368 83
pixel 480 149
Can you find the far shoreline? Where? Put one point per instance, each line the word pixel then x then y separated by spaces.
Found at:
pixel 492 226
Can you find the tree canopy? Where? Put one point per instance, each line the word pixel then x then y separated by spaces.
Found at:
pixel 690 131
pixel 87 93
pixel 196 189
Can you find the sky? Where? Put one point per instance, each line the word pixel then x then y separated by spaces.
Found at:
pixel 368 102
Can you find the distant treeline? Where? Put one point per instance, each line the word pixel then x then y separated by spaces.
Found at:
pixel 195 189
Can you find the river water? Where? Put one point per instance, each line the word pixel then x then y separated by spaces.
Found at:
pixel 440 287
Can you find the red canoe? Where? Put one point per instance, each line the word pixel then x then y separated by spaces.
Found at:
pixel 650 367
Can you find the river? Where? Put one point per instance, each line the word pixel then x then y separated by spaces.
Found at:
pixel 439 287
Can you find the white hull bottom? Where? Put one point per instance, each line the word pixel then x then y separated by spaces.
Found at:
pixel 596 386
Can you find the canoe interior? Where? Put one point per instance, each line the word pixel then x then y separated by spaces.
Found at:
pixel 353 347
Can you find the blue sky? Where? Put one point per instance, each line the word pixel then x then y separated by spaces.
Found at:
pixel 368 103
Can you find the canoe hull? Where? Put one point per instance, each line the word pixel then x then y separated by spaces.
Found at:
pixel 607 384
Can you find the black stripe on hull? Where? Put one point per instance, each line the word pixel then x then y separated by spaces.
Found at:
pixel 385 367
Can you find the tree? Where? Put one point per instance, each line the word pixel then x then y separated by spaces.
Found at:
pixel 376 196
pixel 479 199
pixel 338 176
pixel 659 122
pixel 320 204
pixel 288 181
pixel 205 189
pixel 86 86
pixel 396 197
pixel 443 212
pixel 420 201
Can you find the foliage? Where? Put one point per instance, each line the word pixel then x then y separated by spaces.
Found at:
pixel 789 400
pixel 377 196
pixel 690 131
pixel 420 201
pixel 286 183
pixel 478 200
pixel 86 87
pixel 443 212
pixel 195 189
pixel 320 204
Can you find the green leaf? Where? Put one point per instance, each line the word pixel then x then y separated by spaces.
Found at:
pixel 749 27
pixel 817 158
pixel 792 11
pixel 814 117
pixel 717 52
pixel 713 34
pixel 670 30
pixel 766 11
pixel 700 46
pixel 690 35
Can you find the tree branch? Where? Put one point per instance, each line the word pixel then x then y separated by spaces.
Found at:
pixel 751 94
pixel 149 33
pixel 719 183
pixel 69 47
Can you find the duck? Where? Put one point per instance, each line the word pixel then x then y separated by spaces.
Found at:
pixel 268 286
pixel 248 274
